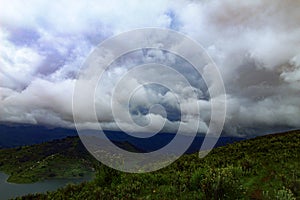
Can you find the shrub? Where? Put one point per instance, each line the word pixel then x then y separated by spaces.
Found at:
pixel 282 194
pixel 220 183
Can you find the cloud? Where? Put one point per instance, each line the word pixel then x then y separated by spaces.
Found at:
pixel 254 43
pixel 41 102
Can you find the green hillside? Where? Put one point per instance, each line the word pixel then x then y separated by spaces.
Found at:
pixel 65 158
pixel 266 167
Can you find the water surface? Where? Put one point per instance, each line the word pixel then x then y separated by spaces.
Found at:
pixel 12 190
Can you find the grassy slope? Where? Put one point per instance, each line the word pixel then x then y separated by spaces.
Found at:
pixel 262 168
pixel 66 158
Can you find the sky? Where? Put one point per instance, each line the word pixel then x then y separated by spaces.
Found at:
pixel 255 44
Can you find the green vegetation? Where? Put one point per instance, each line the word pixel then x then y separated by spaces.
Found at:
pixel 262 168
pixel 66 158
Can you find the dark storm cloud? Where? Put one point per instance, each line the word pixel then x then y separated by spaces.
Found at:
pixel 254 43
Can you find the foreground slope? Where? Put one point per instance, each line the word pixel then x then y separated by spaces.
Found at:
pixel 266 167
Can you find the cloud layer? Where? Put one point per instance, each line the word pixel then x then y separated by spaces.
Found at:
pixel 256 45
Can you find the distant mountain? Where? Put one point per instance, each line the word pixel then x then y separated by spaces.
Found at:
pixel 161 139
pixel 15 135
pixel 21 135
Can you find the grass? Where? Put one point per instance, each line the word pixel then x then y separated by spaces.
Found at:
pixel 266 167
pixel 65 158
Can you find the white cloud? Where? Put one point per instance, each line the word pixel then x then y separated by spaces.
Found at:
pixel 254 43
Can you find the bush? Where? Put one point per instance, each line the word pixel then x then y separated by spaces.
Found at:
pixel 282 194
pixel 220 183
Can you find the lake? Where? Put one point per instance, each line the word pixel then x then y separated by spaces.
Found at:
pixel 12 190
